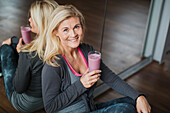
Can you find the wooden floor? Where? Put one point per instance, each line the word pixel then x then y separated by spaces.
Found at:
pixel 154 81
pixel 125 22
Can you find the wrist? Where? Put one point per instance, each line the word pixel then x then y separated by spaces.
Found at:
pixel 14 40
pixel 140 99
pixel 140 96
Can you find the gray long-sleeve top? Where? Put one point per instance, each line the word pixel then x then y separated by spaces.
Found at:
pixel 58 92
pixel 27 77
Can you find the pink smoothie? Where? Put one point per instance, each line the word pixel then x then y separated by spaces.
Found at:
pixel 94 61
pixel 26 34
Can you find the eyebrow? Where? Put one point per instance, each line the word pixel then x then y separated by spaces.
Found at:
pixel 78 24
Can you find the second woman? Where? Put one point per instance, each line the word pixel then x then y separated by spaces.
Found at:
pixel 21 65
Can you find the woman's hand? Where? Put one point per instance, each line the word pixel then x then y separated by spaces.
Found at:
pixel 8 41
pixel 142 105
pixel 19 45
pixel 90 78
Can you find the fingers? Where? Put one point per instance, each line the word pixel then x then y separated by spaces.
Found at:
pixel 93 73
pixel 90 78
pixel 94 79
pixel 86 71
pixel 149 109
pixel 139 111
pixel 19 45
pixel 143 105
pixel 92 82
pixel 20 41
pixel 96 76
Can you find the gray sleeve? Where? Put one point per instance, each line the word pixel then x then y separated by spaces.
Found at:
pixel 116 83
pixel 14 40
pixel 54 98
pixel 22 76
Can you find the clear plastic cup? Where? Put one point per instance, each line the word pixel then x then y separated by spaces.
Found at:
pixel 94 58
pixel 26 34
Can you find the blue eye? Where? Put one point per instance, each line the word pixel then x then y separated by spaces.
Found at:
pixel 65 29
pixel 77 27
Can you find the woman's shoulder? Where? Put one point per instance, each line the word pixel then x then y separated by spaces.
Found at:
pixel 59 60
pixel 30 57
pixel 61 68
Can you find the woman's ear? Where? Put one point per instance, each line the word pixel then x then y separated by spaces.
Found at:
pixel 56 33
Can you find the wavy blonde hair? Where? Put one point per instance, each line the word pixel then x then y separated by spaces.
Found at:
pixel 53 44
pixel 40 12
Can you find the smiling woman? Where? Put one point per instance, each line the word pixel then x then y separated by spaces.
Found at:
pixel 67 89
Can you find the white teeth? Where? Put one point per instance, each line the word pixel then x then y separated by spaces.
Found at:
pixel 74 40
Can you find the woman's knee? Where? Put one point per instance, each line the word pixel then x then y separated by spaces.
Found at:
pixel 8 59
pixel 127 100
pixel 122 108
pixel 6 49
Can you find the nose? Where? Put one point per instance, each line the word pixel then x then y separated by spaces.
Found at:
pixel 72 33
pixel 29 19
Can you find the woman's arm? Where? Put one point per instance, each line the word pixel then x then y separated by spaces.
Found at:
pixel 55 98
pixel 19 45
pixel 11 40
pixel 123 88
pixel 22 76
pixel 116 83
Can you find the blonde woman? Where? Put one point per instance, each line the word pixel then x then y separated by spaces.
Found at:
pixel 21 64
pixel 67 85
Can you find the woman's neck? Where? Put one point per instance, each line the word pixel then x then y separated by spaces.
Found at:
pixel 71 53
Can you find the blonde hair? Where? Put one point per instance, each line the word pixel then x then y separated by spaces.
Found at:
pixel 53 44
pixel 40 12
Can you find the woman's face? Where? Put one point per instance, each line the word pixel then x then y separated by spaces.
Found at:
pixel 34 28
pixel 70 33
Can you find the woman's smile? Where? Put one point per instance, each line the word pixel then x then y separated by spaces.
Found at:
pixel 73 39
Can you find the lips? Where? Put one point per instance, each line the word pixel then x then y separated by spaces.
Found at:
pixel 73 40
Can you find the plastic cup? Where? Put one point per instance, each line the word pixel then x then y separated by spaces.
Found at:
pixel 26 34
pixel 94 60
